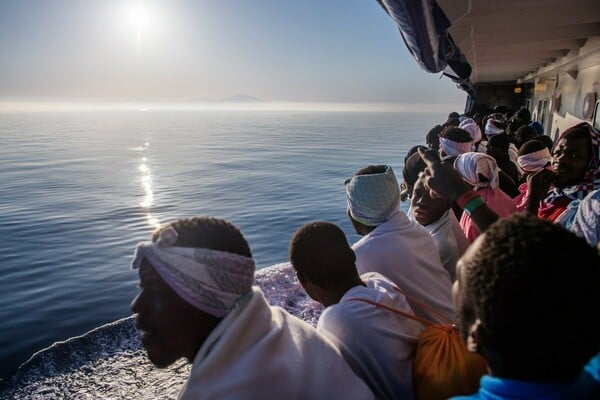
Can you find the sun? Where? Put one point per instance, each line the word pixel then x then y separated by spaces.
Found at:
pixel 140 16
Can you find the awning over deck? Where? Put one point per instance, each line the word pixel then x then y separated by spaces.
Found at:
pixel 476 41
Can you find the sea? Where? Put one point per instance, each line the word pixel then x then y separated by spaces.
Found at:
pixel 79 190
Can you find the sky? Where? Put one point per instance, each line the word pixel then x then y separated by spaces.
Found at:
pixel 190 51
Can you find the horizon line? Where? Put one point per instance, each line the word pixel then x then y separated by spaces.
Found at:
pixel 48 106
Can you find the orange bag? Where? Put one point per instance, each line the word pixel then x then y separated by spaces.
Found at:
pixel 443 367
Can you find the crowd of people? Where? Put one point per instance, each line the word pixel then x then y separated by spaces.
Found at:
pixel 501 239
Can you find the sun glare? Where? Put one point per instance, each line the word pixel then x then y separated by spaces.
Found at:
pixel 140 16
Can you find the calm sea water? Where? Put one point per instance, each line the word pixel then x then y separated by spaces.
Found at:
pixel 79 190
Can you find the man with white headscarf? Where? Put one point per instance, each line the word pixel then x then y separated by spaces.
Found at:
pixel 480 171
pixel 454 141
pixel 393 245
pixel 197 301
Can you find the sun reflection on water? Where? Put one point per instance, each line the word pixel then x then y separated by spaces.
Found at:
pixel 146 180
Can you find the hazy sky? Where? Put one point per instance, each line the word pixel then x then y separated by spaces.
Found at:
pixel 200 50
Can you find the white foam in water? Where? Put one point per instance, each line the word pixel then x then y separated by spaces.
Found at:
pixel 109 362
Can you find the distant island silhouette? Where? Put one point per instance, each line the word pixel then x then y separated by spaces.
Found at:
pixel 241 98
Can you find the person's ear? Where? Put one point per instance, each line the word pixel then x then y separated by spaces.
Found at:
pixel 476 338
pixel 301 278
pixel 313 291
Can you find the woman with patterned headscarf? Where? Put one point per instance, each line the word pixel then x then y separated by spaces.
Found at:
pixel 555 195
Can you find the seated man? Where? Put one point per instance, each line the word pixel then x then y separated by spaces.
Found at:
pixel 378 344
pixel 393 245
pixel 530 310
pixel 197 301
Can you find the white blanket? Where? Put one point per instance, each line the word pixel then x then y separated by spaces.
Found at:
pixel 262 352
pixel 403 251
pixel 449 238
pixel 378 344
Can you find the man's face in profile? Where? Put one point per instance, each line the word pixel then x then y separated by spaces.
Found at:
pixel 162 318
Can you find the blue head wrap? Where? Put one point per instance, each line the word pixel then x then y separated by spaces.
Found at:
pixel 373 199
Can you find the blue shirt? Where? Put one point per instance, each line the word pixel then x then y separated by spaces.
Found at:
pixel 593 368
pixel 493 388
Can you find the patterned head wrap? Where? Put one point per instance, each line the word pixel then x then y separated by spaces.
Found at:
pixel 591 179
pixel 471 165
pixel 210 280
pixel 373 199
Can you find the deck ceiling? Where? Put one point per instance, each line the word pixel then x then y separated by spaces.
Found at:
pixel 505 40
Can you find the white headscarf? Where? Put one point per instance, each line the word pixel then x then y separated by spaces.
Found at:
pixel 210 280
pixel 491 128
pixel 452 148
pixel 471 165
pixel 535 161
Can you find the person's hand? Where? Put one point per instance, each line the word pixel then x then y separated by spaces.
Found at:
pixel 539 183
pixel 441 180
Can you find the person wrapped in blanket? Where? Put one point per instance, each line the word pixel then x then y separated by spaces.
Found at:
pixel 392 244
pixel 197 301
pixel 379 345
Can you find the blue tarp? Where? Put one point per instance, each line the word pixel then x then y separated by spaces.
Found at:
pixel 423 26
